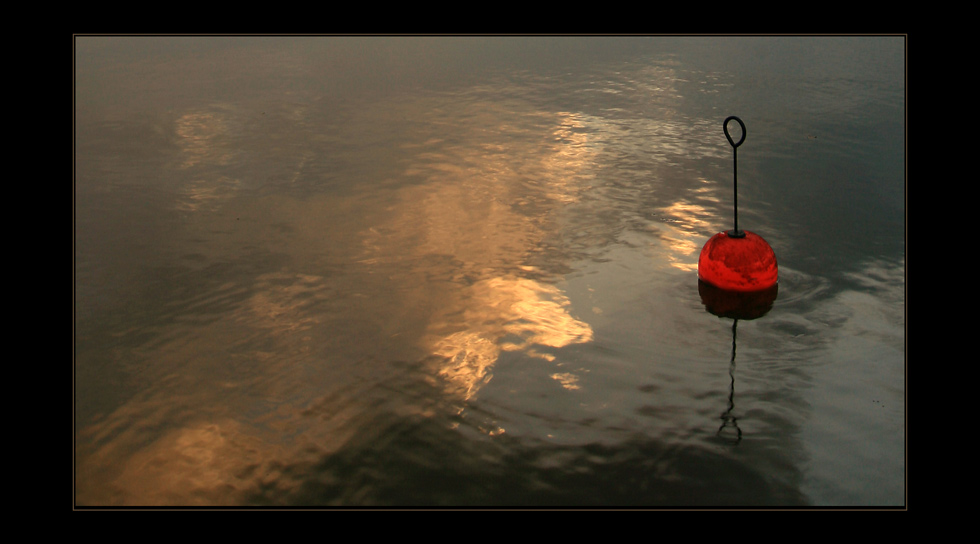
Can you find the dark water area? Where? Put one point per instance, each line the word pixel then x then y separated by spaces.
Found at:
pixel 451 272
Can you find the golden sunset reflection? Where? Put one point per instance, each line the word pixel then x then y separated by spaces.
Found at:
pixel 506 314
pixel 442 268
pixel 688 216
pixel 573 155
pixel 684 253
pixel 203 138
pixel 567 380
pixel 204 463
pixel 686 222
pixel 280 300
pixel 486 205
pixel 207 195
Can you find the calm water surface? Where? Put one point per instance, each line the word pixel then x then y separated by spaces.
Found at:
pixel 462 271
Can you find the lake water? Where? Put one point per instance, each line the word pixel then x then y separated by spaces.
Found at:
pixel 462 271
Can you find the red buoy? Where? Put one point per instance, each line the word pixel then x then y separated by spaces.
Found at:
pixel 737 260
pixel 738 263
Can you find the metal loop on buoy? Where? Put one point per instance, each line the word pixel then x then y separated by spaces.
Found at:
pixel 736 232
pixel 729 136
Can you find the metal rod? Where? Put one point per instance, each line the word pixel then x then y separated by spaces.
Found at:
pixel 735 233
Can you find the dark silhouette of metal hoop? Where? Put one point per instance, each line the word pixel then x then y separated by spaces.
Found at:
pixel 735 233
pixel 729 136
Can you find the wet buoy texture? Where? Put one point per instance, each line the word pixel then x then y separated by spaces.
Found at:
pixel 738 263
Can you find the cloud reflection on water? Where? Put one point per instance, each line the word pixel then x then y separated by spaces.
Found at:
pixel 473 203
pixel 486 204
